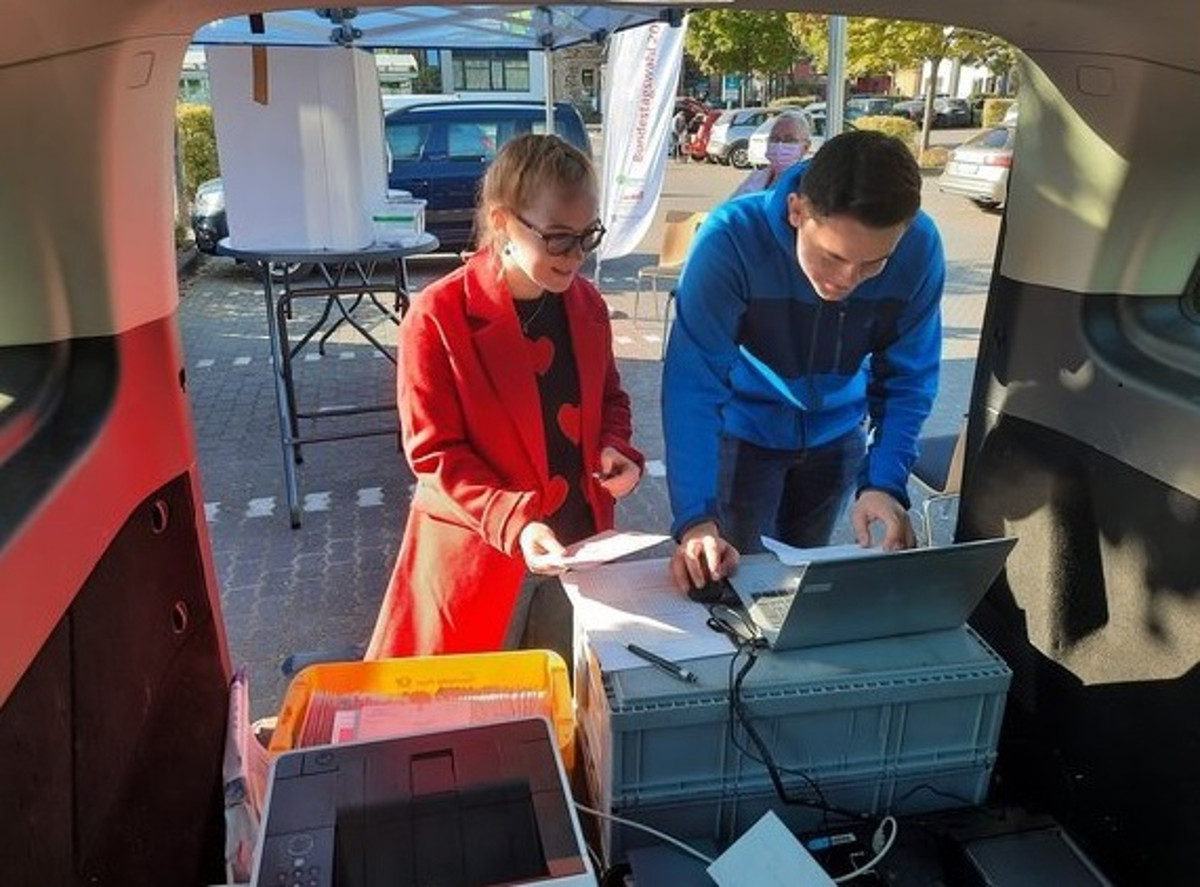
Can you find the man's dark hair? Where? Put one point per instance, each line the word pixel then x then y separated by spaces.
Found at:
pixel 867 175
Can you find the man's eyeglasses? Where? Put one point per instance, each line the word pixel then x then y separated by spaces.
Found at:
pixel 560 244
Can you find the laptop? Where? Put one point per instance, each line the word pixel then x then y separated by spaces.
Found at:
pixel 873 595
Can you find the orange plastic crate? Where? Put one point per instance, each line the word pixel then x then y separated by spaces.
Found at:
pixel 473 688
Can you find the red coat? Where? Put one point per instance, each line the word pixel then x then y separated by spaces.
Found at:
pixel 471 420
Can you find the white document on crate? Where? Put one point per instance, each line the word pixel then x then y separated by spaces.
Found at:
pixel 608 546
pixel 795 557
pixel 636 602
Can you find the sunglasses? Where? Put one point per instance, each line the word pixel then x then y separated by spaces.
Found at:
pixel 560 244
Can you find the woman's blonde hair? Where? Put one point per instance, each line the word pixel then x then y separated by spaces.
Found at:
pixel 525 167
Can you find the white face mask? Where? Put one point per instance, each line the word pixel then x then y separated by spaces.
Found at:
pixel 781 155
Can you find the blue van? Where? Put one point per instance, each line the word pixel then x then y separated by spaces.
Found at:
pixel 439 152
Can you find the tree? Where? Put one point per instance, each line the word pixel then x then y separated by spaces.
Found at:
pixel 428 80
pixel 999 57
pixel 812 34
pixel 723 41
pixel 896 44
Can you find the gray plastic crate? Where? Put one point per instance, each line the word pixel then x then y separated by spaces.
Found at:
pixel 713 821
pixel 857 711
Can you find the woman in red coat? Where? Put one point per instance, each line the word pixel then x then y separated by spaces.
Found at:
pixel 512 411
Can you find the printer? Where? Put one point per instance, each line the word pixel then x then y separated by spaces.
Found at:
pixel 474 807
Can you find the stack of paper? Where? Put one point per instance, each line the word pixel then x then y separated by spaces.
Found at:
pixel 637 603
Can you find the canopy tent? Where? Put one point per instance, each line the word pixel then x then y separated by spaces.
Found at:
pixel 439 27
pixel 532 28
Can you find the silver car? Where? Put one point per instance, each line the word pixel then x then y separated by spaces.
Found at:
pixel 730 138
pixel 979 167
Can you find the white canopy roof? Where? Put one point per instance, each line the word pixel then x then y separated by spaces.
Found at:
pixel 439 27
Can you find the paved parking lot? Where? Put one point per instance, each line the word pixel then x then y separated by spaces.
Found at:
pixel 318 587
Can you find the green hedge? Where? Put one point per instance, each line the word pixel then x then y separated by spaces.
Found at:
pixel 793 101
pixel 198 144
pixel 994 110
pixel 905 130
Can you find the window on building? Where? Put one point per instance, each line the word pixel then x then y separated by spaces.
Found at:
pixel 587 79
pixel 495 71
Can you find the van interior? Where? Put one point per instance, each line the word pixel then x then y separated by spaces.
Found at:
pixel 1082 442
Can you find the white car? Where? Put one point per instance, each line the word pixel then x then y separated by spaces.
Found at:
pixel 757 152
pixel 979 167
pixel 731 134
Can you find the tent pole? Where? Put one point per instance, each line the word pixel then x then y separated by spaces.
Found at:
pixel 548 69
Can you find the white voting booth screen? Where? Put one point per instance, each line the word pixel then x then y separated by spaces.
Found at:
pixel 303 170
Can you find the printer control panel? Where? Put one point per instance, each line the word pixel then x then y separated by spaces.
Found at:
pixel 299 859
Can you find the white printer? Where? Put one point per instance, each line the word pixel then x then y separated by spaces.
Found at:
pixel 475 807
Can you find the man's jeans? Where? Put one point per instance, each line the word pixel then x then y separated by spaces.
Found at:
pixel 793 496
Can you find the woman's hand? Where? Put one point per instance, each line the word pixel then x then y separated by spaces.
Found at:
pixel 619 475
pixel 541 549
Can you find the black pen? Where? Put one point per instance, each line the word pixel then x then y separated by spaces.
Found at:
pixel 675 671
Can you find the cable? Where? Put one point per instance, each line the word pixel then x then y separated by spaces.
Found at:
pixel 601 871
pixel 880 854
pixel 662 836
pixel 926 787
pixel 739 715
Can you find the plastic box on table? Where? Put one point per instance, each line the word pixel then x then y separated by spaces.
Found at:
pixel 399 219
pixel 537 677
pixel 866 720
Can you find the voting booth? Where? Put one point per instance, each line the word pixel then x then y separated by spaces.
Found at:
pixel 300 140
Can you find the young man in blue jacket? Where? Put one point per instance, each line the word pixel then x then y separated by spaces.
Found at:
pixel 804 358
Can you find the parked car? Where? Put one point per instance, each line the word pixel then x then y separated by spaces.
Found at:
pixel 947 113
pixel 869 106
pixel 209 224
pixel 979 167
pixel 729 141
pixel 439 152
pixel 692 106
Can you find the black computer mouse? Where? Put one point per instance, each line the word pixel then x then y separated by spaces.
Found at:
pixel 715 591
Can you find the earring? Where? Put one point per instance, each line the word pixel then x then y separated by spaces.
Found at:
pixel 507 250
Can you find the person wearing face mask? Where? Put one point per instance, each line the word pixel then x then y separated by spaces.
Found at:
pixel 787 143
pixel 808 324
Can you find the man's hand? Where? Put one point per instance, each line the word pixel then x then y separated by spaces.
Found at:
pixel 875 505
pixel 541 549
pixel 618 474
pixel 701 556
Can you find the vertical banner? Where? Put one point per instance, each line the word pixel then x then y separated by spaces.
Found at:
pixel 642 72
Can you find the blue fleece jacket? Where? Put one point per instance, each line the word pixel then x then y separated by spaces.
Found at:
pixel 756 354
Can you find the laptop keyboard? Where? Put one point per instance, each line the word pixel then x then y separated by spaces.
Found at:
pixel 771 608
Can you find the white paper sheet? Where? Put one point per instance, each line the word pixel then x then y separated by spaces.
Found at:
pixel 795 557
pixel 608 546
pixel 637 603
pixel 768 855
